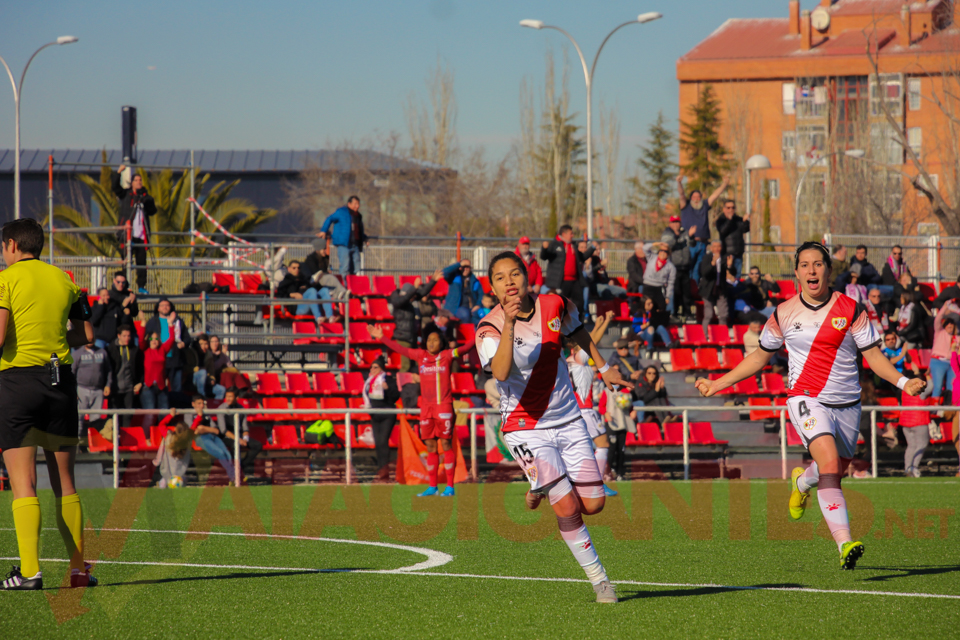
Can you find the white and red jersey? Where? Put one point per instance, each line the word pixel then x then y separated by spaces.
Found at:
pixel 581 377
pixel 537 394
pixel 822 342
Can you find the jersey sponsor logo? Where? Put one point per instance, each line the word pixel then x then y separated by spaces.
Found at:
pixel 518 341
pixel 797 326
pixel 522 423
pixel 809 424
pixel 839 323
pixel 554 325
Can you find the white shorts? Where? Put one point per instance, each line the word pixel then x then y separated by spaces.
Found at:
pixel 557 457
pixel 812 420
pixel 595 426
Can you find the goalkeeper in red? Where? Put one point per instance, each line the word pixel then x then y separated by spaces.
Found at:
pixel 822 330
pixel 436 413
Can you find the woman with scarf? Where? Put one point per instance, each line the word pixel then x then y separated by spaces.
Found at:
pixel 380 392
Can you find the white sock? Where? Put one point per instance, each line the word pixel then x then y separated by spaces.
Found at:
pixel 601 455
pixel 809 479
pixel 575 534
pixel 833 506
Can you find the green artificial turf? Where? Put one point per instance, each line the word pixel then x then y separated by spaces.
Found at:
pixel 696 539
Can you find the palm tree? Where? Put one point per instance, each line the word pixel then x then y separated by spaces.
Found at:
pixel 236 215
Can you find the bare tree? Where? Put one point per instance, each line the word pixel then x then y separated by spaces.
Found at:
pixel 745 131
pixel 432 130
pixel 610 165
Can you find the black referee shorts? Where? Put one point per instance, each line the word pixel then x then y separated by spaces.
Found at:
pixel 34 413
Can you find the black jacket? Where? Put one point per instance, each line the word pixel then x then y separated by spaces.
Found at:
pixel 731 234
pixel 405 312
pixel 390 395
pixel 107 318
pixel 175 359
pixel 314 263
pixel 128 200
pixel 708 278
pixel 136 356
pixel 915 331
pixel 635 268
pixel 887 276
pixel 292 284
pixel 555 255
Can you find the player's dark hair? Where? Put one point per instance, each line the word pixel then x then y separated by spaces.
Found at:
pixel 564 229
pixel 27 233
pixel 508 255
pixel 440 336
pixel 812 245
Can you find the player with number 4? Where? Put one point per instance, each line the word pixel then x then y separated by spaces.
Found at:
pixel 822 331
pixel 520 343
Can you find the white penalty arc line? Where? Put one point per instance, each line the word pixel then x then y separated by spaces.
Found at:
pixel 439 558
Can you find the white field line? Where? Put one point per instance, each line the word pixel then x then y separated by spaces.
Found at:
pixel 438 558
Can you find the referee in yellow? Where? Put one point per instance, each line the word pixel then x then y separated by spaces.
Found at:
pixel 38 397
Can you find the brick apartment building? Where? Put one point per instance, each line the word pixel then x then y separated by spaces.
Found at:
pixel 802 87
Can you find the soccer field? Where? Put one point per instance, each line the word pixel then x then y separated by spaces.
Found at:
pixel 701 559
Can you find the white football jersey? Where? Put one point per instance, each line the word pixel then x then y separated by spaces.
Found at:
pixel 822 343
pixel 537 394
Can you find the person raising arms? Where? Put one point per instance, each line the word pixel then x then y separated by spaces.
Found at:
pixel 520 343
pixel 822 331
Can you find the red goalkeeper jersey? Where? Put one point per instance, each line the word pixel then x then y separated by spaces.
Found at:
pixel 434 371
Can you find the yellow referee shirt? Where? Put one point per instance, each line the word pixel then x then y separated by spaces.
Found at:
pixel 39 297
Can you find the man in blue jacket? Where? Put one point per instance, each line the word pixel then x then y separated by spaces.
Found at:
pixel 348 235
pixel 465 294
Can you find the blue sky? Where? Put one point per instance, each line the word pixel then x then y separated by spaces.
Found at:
pixel 301 75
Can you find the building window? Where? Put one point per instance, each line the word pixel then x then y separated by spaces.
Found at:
pixel 773 188
pixel 788 146
pixel 851 107
pixel 811 141
pixel 913 91
pixel 811 98
pixel 775 234
pixel 886 88
pixel 884 144
pixel 789 98
pixel 934 178
pixel 915 140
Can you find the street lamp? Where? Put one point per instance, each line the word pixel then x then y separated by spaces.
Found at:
pixel 17 90
pixel 758 162
pixel 588 77
pixel 857 154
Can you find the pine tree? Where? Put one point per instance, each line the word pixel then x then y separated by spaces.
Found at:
pixel 655 183
pixel 700 143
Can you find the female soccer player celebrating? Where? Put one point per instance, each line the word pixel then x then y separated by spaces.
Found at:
pixel 822 331
pixel 520 342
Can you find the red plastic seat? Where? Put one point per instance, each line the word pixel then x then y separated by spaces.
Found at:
pixel 328 404
pixel 466 334
pixel 356 418
pixel 702 433
pixel 484 283
pixel 731 358
pixel 648 434
pixel 354 309
pixel 299 384
pixel 225 280
pixel 708 359
pixel 464 383
pixel 306 403
pixel 748 387
pixel 276 404
pixel 673 433
pixel 157 434
pixel 682 359
pixel 693 335
pixel 359 285
pixel 927 290
pixel 725 392
pixel 133 439
pixel 788 289
pixel 330 332
pixel 360 336
pixel 306 329
pixel 384 285
pixel 793 438
pixel 97 443
pixel 719 334
pixel 268 384
pixel 325 383
pixel 250 282
pixel 260 435
pixel 285 436
pixel 352 382
pixel 946 433
pixel 441 289
pixel 773 384
pixel 740 330
pixel 761 414
pixel 378 309
pixel 607 305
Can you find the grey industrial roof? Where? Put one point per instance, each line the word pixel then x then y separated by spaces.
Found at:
pixel 35 160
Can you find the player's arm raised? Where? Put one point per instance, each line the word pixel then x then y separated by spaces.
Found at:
pixel 601 326
pixel 750 365
pixel 882 367
pixel 611 375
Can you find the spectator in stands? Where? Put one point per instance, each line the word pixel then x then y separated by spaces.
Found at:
pixel 909 284
pixel 601 286
pixel 120 308
pixel 91 368
pixel 838 264
pixel 911 321
pixel 629 365
pixel 296 285
pixel 944 335
pixel 195 355
pixel 660 277
pixel 173 455
pixel 273 266
pixel 731 228
pixel 652 324
pixel 754 296
pixel 636 266
pixel 249 445
pixel 915 431
pixel 751 339
pixel 876 311
pixel 207 436
pixel 679 240
pixel 534 273
pixel 380 392
pixel 854 289
pixel 405 315
pixel 894 267
pixel 104 329
pixel 565 266
pixel 316 267
pixel 487 303
pixel 652 392
pixel 694 212
pixel 444 324
pixel 465 292
pixel 127 362
pixel 348 235
pixel 166 323
pixel 218 364
pixel 948 293
pixel 136 207
pixel 869 276
pixel 716 271
pixel 155 383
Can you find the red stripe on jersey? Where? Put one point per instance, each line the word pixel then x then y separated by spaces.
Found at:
pixel 823 351
pixel 536 396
